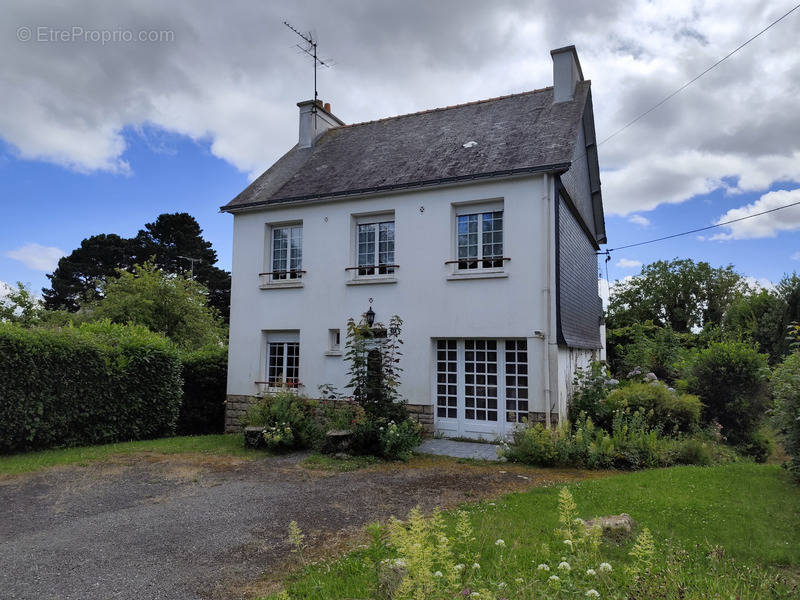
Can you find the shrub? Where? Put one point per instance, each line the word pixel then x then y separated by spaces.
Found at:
pixel 786 413
pixel 731 380
pixel 93 384
pixel 285 409
pixel 204 381
pixel 631 444
pixel 591 388
pixel 399 439
pixel 665 408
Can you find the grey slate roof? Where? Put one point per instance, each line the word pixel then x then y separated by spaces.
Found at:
pixel 515 134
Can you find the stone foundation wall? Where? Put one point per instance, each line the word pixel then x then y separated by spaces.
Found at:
pixel 423 413
pixel 235 409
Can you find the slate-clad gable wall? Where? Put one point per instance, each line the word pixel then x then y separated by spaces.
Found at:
pixel 576 182
pixel 578 304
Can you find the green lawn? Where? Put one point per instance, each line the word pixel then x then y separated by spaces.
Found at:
pixel 223 445
pixel 751 511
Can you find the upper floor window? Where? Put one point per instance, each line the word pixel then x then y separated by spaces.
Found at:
pixel 375 248
pixel 287 252
pixel 480 240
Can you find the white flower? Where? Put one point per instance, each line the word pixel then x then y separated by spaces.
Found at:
pixel 500 543
pixel 564 566
pixel 604 568
pixel 437 574
pixel 459 567
pixel 568 543
pixel 543 567
pixel 593 594
pixel 476 566
pixel 501 585
pixel 520 580
pixel 554 578
pixel 591 572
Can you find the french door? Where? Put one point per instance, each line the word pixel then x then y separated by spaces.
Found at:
pixel 481 386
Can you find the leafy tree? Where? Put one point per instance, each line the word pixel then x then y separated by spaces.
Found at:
pixel 760 317
pixel 679 294
pixel 173 237
pixel 78 277
pixel 21 307
pixel 170 304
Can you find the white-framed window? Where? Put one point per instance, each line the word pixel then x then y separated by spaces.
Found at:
pixel 286 252
pixel 375 246
pixel 479 238
pixel 334 340
pixel 283 360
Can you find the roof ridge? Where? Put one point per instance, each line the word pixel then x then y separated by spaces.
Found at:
pixel 442 108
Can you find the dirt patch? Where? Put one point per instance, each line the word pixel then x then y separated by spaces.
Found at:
pixel 199 526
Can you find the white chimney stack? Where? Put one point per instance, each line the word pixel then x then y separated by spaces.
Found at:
pixel 566 73
pixel 314 121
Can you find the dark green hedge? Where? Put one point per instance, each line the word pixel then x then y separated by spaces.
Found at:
pixel 93 384
pixel 204 378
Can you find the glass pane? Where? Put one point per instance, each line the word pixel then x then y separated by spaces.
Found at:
pixel 296 252
pixel 386 246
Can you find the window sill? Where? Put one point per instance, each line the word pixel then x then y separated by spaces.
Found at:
pixel 277 285
pixel 332 353
pixel 371 280
pixel 477 275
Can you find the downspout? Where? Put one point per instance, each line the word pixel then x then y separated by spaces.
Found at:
pixel 546 292
pixel 552 299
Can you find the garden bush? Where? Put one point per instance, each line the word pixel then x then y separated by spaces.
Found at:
pixel 93 384
pixel 204 380
pixel 289 420
pixel 786 413
pixel 630 444
pixel 731 379
pixel 663 408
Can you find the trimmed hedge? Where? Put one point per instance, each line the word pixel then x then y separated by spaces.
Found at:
pixel 205 375
pixel 93 384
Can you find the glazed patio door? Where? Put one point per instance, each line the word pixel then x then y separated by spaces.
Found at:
pixel 481 387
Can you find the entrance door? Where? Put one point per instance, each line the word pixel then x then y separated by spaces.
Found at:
pixel 481 387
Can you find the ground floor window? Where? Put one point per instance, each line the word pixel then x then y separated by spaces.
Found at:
pixel 283 364
pixel 482 381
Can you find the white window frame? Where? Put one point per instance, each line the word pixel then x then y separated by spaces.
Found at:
pixel 460 425
pixel 290 275
pixel 374 220
pixel 479 209
pixel 284 338
pixel 334 341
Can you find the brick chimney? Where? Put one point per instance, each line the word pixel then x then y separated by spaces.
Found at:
pixel 566 73
pixel 315 119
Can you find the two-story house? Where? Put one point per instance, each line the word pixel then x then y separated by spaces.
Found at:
pixel 477 224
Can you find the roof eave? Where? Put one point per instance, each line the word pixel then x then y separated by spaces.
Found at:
pixel 550 168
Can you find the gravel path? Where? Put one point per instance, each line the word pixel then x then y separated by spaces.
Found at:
pixel 190 527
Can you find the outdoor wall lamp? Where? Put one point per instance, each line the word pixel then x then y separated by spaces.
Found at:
pixel 370 314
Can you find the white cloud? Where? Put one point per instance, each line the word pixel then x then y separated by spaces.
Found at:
pixel 796 256
pixel 759 283
pixel 37 257
pixel 626 263
pixel 639 220
pixel 768 225
pixel 232 78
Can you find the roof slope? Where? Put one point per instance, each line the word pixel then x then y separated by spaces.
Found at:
pixel 514 134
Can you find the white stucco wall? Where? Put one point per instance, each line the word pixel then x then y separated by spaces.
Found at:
pixel 431 304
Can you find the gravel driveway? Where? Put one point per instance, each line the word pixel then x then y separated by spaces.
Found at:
pixel 186 527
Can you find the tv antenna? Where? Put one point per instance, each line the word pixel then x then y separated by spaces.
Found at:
pixel 310 48
pixel 191 263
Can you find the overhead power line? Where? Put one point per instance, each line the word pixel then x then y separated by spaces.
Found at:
pixel 699 229
pixel 691 81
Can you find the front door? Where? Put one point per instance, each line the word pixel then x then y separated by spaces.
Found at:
pixel 481 387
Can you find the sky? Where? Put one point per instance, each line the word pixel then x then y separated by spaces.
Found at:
pixel 113 113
